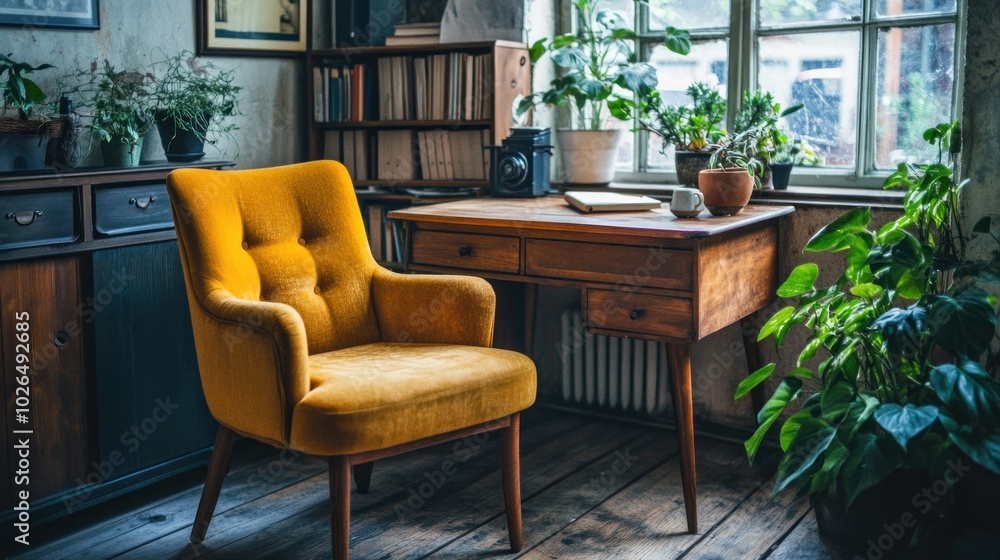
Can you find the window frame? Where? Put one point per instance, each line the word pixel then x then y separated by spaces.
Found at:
pixel 745 30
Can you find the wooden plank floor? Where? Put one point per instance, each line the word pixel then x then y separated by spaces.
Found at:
pixel 591 488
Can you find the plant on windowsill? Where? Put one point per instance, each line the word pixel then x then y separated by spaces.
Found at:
pixel 193 100
pixel 692 130
pixel 900 397
pixel 760 111
pixel 733 173
pixel 121 110
pixel 786 156
pixel 600 76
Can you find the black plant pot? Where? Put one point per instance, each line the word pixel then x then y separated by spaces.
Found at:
pixel 780 173
pixel 182 144
pixel 689 164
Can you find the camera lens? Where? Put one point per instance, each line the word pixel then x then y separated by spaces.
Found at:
pixel 513 169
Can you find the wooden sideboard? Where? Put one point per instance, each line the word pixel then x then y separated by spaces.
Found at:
pixel 642 275
pixel 114 399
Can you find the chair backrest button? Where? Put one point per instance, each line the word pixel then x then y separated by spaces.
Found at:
pixel 245 245
pixel 302 242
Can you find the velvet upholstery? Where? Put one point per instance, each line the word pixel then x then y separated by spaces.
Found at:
pixel 304 341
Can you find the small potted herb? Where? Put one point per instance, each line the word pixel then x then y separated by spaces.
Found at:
pixel 734 172
pixel 193 100
pixel 692 130
pixel 121 110
pixel 786 156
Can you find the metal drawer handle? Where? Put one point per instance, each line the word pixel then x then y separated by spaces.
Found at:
pixel 24 218
pixel 142 204
pixel 465 250
pixel 636 314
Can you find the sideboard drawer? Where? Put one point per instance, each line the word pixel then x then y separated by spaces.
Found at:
pixel 132 208
pixel 38 218
pixel 613 264
pixel 628 312
pixel 491 253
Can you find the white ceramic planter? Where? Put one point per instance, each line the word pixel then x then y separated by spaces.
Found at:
pixel 588 156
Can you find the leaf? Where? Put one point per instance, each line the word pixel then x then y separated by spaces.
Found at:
pixel 905 422
pixel 791 110
pixel 967 392
pixel 570 57
pixel 834 400
pixel 537 50
pixel 903 329
pixel 639 78
pixel 866 465
pixel 963 324
pixel 910 287
pixel 594 89
pixel 867 291
pixel 833 233
pixel 677 40
pixel 792 425
pixel 800 281
pixel 983 449
pixel 811 440
pixel 753 380
pixel 564 40
pixel 783 394
pixel 778 319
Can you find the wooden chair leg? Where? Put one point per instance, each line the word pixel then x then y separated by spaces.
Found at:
pixel 363 476
pixel 340 506
pixel 217 469
pixel 510 467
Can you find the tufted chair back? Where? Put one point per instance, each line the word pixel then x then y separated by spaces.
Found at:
pixel 289 235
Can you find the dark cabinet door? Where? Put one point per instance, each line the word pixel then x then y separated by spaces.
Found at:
pixel 42 298
pixel 150 401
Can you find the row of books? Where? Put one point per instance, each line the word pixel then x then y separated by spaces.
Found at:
pixel 385 236
pixel 436 155
pixel 339 94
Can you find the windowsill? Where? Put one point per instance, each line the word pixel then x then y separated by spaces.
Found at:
pixel 800 197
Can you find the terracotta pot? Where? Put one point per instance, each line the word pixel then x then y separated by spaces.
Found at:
pixel 726 191
pixel 689 164
pixel 589 156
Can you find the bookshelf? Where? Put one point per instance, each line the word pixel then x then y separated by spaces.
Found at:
pixel 410 122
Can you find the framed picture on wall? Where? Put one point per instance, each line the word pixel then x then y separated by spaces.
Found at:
pixel 252 27
pixel 75 14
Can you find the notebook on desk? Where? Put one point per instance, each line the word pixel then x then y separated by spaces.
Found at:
pixel 586 201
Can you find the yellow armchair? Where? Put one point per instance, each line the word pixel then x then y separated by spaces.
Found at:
pixel 305 343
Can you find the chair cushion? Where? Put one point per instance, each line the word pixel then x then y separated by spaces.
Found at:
pixel 379 395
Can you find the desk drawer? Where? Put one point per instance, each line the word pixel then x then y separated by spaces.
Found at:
pixel 613 264
pixel 627 312
pixel 132 208
pixel 492 253
pixel 28 219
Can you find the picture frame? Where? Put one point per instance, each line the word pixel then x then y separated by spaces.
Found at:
pixel 72 14
pixel 253 27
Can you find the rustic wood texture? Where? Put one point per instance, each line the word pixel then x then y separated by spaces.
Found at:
pixel 340 507
pixel 470 251
pixel 218 468
pixel 591 489
pixel 554 213
pixel 639 315
pixel 679 356
pixel 510 474
pixel 60 410
pixel 646 266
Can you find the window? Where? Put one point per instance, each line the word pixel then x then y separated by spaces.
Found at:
pixel 871 74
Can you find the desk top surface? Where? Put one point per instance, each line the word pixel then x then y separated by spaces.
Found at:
pixel 554 213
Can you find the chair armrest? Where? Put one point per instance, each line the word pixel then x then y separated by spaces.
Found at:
pixel 438 309
pixel 253 358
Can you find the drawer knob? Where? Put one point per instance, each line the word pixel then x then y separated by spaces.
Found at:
pixel 24 218
pixel 465 250
pixel 142 204
pixel 636 314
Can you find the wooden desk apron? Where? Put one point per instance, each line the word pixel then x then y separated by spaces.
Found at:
pixel 643 274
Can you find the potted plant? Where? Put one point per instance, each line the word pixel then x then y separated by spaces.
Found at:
pixel 600 78
pixel 899 395
pixel 692 130
pixel 24 120
pixel 193 99
pixel 734 172
pixel 122 110
pixel 786 156
pixel 760 111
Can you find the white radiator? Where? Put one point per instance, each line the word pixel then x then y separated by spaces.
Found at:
pixel 620 374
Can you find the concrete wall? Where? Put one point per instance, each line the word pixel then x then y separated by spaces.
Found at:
pixel 135 33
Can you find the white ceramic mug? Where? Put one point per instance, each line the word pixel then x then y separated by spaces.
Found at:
pixel 686 203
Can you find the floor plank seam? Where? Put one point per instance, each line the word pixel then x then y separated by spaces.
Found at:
pixel 718 524
pixel 774 547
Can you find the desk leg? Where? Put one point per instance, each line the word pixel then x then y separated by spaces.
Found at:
pixel 679 356
pixel 530 298
pixel 749 327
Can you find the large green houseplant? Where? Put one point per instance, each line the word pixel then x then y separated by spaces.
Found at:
pixel 599 79
pixel 898 392
pixel 193 100
pixel 693 130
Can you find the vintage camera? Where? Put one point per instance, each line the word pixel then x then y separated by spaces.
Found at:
pixel 520 166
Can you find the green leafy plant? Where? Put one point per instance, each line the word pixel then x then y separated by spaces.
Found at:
pixel 196 94
pixel 760 111
pixel 898 336
pixel 738 151
pixel 600 73
pixel 796 151
pixel 695 127
pixel 19 92
pixel 120 102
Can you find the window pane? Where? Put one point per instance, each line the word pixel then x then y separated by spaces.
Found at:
pixel 820 71
pixel 910 7
pixel 914 90
pixel 776 12
pixel 624 7
pixel 707 63
pixel 688 14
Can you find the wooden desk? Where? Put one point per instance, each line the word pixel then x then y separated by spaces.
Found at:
pixel 643 275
